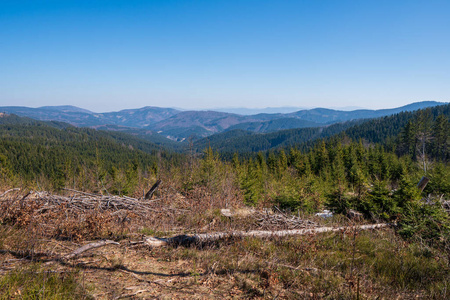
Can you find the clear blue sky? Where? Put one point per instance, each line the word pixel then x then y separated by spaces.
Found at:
pixel 110 55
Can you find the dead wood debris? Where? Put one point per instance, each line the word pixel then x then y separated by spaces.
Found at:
pixel 149 194
pixel 270 218
pixel 9 191
pixel 266 219
pixel 131 295
pixel 89 247
pixel 80 201
pixel 211 237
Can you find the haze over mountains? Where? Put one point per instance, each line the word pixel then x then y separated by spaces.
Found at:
pixel 275 110
pixel 179 125
pixel 254 111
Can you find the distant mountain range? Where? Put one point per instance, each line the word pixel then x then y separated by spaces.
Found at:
pixel 255 111
pixel 275 110
pixel 375 130
pixel 179 125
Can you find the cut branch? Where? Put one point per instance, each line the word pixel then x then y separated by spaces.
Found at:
pixel 89 247
pixel 8 191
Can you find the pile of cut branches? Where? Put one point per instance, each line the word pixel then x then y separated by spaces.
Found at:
pixel 78 201
pixel 269 220
pixel 75 215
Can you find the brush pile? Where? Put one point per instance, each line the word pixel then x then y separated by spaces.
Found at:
pixel 75 215
pixel 279 220
pixel 78 201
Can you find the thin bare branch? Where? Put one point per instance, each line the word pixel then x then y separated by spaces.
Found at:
pixel 89 247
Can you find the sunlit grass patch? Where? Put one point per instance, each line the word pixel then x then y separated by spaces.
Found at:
pixel 35 282
pixel 332 265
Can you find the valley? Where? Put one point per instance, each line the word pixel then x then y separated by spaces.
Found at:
pixel 180 125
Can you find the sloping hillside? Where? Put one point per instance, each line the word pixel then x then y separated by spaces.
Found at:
pixel 373 130
pixel 179 125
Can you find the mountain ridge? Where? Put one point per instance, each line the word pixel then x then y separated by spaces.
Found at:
pixel 179 125
pixel 374 130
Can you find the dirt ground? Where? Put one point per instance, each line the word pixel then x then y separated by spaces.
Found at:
pixel 136 272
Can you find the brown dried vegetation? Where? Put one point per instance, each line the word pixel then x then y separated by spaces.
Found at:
pixel 36 233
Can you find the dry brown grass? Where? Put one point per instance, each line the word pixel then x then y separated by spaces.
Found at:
pixel 343 265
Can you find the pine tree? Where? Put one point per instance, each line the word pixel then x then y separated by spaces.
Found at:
pixel 441 141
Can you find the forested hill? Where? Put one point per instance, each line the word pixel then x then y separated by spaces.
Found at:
pixel 142 138
pixel 379 130
pixel 30 150
pixel 244 141
pixel 21 128
pixel 181 125
pixel 12 119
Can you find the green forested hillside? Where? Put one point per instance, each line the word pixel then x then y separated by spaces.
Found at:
pixel 381 130
pixel 244 141
pixel 274 125
pixel 346 172
pixel 372 167
pixel 6 119
pixel 144 134
pixel 33 151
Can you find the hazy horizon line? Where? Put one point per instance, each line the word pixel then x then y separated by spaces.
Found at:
pixel 243 108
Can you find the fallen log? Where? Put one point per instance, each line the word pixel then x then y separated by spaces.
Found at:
pixel 205 238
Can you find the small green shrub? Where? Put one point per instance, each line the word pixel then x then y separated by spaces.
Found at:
pixel 378 202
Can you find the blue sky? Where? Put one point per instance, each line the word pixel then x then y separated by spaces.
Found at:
pixel 111 55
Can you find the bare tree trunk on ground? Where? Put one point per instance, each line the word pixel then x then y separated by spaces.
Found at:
pixel 211 237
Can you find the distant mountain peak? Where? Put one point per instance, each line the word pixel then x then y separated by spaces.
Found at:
pixel 66 108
